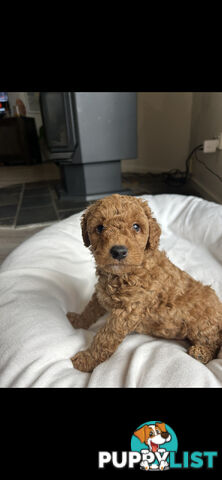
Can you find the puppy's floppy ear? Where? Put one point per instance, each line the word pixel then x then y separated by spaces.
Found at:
pixel 141 433
pixel 84 220
pixel 85 235
pixel 154 228
pixel 161 426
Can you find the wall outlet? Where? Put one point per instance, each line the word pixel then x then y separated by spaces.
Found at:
pixel 210 146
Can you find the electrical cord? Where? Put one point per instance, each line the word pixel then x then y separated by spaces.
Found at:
pixel 179 177
pixel 174 176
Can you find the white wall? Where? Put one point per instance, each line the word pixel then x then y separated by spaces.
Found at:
pixel 164 120
pixel 207 123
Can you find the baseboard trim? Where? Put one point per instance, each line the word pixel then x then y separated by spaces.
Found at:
pixel 206 193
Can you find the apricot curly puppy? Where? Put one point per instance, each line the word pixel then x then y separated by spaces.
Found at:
pixel 140 287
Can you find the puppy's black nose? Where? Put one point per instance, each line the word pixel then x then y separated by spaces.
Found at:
pixel 119 252
pixel 164 434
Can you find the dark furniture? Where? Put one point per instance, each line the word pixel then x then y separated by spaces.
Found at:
pixel 88 134
pixel 19 142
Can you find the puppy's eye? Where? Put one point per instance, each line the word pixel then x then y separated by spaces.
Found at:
pixel 151 434
pixel 99 228
pixel 157 431
pixel 136 227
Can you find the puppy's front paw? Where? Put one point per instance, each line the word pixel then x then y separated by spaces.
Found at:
pixel 201 353
pixel 84 361
pixel 144 465
pixel 163 465
pixel 75 319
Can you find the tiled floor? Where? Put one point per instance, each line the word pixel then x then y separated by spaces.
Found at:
pixel 147 184
pixel 33 203
pixel 38 203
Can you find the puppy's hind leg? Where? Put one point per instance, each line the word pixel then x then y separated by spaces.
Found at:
pixel 206 345
pixel 90 314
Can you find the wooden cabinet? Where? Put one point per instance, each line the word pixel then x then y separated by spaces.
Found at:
pixel 19 143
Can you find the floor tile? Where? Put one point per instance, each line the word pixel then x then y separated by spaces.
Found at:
pixel 63 204
pixel 32 192
pixel 8 211
pixel 10 195
pixel 9 198
pixel 36 185
pixel 7 221
pixel 11 189
pixel 28 216
pixel 36 201
pixel 68 213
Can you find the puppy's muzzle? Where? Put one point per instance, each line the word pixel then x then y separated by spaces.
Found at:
pixel 118 252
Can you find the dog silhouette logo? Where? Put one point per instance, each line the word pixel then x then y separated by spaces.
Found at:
pixel 154 440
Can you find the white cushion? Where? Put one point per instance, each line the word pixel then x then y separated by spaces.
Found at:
pixel 52 273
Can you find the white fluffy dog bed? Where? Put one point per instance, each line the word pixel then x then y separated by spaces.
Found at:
pixel 52 273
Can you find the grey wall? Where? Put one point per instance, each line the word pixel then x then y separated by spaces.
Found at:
pixel 206 122
pixel 170 125
pixel 164 120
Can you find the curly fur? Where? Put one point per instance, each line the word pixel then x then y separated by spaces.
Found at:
pixel 144 292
